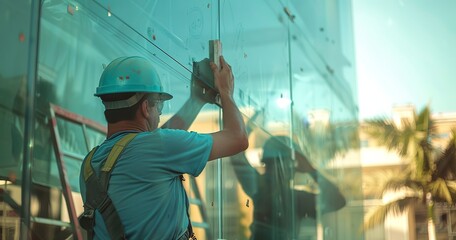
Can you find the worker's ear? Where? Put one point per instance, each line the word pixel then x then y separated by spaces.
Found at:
pixel 145 109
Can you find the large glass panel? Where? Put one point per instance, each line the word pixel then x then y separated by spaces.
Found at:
pixel 255 40
pixel 15 25
pixel 294 70
pixel 258 51
pixel 325 116
pixel 18 49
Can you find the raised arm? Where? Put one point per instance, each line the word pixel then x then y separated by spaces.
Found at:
pixel 232 139
pixel 184 118
pixel 186 114
pixel 330 197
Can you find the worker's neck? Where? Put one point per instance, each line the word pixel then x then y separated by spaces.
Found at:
pixel 121 126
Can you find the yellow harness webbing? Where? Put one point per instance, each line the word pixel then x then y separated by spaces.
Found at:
pixel 97 197
pixel 112 157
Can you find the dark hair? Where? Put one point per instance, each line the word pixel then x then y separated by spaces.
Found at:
pixel 117 115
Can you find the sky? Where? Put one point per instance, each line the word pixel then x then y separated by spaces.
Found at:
pixel 405 54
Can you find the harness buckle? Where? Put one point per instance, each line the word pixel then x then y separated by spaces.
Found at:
pixel 87 219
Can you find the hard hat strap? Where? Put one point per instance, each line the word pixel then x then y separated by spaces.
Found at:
pixel 124 103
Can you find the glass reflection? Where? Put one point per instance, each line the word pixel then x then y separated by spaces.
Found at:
pixel 279 204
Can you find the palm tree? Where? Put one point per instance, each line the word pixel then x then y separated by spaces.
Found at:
pixel 431 173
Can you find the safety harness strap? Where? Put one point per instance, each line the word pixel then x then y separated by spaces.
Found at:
pixel 97 197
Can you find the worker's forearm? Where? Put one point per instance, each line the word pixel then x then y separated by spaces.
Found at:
pixel 186 115
pixel 232 118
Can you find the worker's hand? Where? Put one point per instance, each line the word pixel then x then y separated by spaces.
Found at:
pixel 223 78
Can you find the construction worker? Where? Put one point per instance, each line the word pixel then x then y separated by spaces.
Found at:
pixel 146 198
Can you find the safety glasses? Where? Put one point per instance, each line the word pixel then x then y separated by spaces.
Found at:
pixel 159 104
pixel 157 101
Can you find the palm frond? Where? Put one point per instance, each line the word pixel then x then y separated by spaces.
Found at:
pixel 440 190
pixel 451 186
pixel 423 120
pixel 428 150
pixel 407 141
pixel 385 131
pixel 419 164
pixel 404 140
pixel 378 215
pixel 424 163
pixel 398 183
pixel 446 162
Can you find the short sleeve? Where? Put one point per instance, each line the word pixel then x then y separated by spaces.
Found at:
pixel 185 152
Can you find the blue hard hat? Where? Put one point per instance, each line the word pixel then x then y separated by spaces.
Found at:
pixel 131 74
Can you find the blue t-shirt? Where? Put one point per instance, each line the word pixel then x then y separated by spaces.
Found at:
pixel 145 186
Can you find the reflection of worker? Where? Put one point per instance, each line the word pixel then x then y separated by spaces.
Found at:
pixel 277 207
pixel 145 184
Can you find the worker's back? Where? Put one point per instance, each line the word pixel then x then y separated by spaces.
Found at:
pixel 145 184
